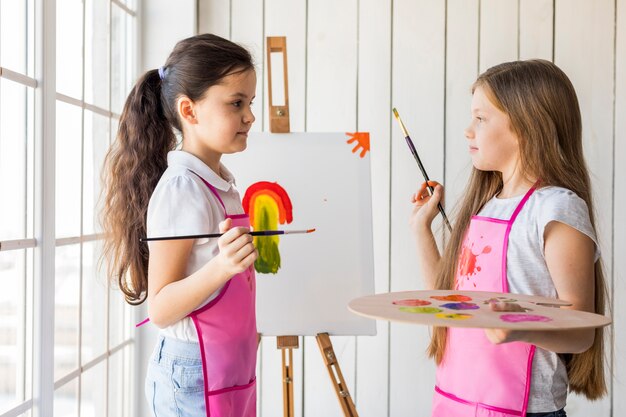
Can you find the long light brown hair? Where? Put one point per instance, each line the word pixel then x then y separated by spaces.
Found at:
pixel 541 104
pixel 138 157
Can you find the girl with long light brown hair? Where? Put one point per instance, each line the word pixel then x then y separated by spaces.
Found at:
pixel 525 225
pixel 200 292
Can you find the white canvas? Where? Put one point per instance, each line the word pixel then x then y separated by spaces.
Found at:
pixel 329 188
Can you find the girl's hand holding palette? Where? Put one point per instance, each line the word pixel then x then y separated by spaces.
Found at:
pixel 476 309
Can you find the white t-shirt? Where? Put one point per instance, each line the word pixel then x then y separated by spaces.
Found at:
pixel 182 204
pixel 527 273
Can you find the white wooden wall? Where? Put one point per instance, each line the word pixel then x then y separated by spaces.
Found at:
pixel 349 62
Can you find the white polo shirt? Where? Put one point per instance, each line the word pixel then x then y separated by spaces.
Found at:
pixel 182 204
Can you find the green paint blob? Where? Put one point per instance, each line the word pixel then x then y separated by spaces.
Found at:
pixel 423 310
pixel 268 261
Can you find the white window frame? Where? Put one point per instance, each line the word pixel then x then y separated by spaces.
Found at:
pixel 44 243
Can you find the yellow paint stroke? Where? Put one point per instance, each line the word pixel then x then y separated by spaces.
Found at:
pixel 266 218
pixel 281 212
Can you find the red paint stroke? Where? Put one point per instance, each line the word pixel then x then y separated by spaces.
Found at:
pixel 273 190
pixel 411 302
pixel 468 262
pixel 362 140
pixel 518 318
pixel 452 297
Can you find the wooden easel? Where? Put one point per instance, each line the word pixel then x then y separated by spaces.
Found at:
pixel 279 123
pixel 278 114
pixel 286 344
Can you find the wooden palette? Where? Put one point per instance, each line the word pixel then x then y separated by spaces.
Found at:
pixel 472 309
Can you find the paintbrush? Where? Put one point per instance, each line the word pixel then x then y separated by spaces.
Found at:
pixel 213 235
pixel 421 166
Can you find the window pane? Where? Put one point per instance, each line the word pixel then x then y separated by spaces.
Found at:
pixel 13 325
pixel 94 304
pixel 30 163
pixel 116 384
pixel 13 157
pixel 131 4
pixel 13 35
pixel 69 44
pixel 121 318
pixel 66 309
pixel 115 124
pixel 66 400
pixel 121 383
pixel 93 392
pixel 96 145
pixel 121 49
pixel 68 171
pixel 97 53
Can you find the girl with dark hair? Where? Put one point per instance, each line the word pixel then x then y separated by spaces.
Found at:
pixel 200 293
pixel 525 225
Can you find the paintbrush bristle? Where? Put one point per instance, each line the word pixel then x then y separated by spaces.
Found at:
pixel 404 131
pixel 310 230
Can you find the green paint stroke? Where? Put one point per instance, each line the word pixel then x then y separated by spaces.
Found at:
pixel 268 261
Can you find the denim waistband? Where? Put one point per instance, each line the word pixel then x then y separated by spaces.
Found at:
pixel 169 349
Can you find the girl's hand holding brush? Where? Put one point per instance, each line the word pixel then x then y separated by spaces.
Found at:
pixel 425 207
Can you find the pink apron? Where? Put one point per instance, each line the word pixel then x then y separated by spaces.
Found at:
pixel 227 333
pixel 476 377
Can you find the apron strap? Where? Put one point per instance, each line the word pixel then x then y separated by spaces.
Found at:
pixel 524 200
pixel 214 191
pixel 505 283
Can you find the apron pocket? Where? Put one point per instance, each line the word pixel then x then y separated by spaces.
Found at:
pixel 447 405
pixel 237 401
pixel 489 412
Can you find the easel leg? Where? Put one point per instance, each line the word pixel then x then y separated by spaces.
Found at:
pixel 286 344
pixel 334 371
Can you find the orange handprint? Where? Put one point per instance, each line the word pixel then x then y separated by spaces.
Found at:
pixel 362 140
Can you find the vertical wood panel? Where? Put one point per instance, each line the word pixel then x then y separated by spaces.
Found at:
pixel 288 18
pixel 417 92
pixel 619 224
pixel 535 31
pixel 374 90
pixel 247 30
pixel 331 60
pixel 498 32
pixel 461 70
pixel 214 17
pixel 586 56
pixel 331 106
pixel 285 18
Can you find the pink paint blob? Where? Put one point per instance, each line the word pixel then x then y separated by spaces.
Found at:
pixel 412 302
pixel 518 318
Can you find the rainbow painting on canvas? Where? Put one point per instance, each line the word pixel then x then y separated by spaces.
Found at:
pixel 268 205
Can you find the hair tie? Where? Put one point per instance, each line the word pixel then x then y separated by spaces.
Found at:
pixel 161 73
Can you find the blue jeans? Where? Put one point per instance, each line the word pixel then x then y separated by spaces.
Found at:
pixel 559 413
pixel 174 384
